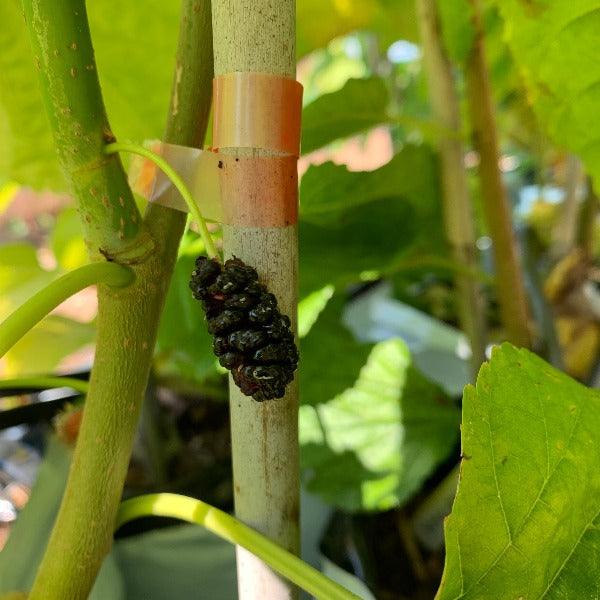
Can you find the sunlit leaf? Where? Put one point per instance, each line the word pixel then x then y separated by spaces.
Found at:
pixel 67 241
pixel 526 520
pixel 371 447
pixel 136 90
pixel 554 44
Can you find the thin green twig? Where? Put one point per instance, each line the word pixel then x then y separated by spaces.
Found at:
pixel 16 325
pixel 44 383
pixel 236 532
pixel 177 182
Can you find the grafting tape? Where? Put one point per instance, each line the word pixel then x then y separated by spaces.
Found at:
pixel 251 110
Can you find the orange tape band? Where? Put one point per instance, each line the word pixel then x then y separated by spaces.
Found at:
pixel 257 110
pixel 259 191
pixel 251 110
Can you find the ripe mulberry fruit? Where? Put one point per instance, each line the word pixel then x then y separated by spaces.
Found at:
pixel 252 338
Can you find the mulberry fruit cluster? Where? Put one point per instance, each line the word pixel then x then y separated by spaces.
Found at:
pixel 251 337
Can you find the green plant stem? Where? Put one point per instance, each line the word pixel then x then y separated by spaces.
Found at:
pixel 177 182
pixel 44 383
pixel 16 325
pixel 127 326
pixel 64 59
pixel 496 206
pixel 587 219
pixel 235 532
pixel 458 214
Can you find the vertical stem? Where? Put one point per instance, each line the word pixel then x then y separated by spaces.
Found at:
pixel 458 215
pixel 565 231
pixel 510 287
pixel 259 36
pixel 127 325
pixel 587 219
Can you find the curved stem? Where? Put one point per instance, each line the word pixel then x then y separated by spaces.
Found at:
pixel 235 532
pixel 177 182
pixel 44 383
pixel 127 327
pixel 16 325
pixel 64 56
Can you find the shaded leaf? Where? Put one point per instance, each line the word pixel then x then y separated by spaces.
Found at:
pixel 358 106
pixel 184 346
pixel 180 562
pixel 330 356
pixel 372 446
pixel 329 190
pixel 457 29
pixel 528 501
pixel 356 222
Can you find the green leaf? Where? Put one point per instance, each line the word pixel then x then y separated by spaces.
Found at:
pixel 328 191
pixel 372 446
pixel 358 106
pixel 67 241
pixel 554 43
pixel 42 348
pixel 353 223
pixel 136 90
pixel 27 152
pixel 526 519
pixel 319 21
pixel 20 276
pixel 54 337
pixel 329 343
pixel 457 29
pixel 184 346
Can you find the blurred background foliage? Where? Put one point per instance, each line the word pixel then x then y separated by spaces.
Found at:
pixel 379 421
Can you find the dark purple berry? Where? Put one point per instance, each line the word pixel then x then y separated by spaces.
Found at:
pixel 205 272
pixel 261 314
pixel 246 340
pixel 252 338
pixel 237 269
pixel 220 345
pixel 225 321
pixel 231 360
pixel 242 301
pixel 272 353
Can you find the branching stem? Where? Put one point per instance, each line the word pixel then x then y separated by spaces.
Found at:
pixel 160 162
pixel 44 383
pixel 16 325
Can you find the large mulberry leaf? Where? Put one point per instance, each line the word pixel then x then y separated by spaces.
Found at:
pixel 526 519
